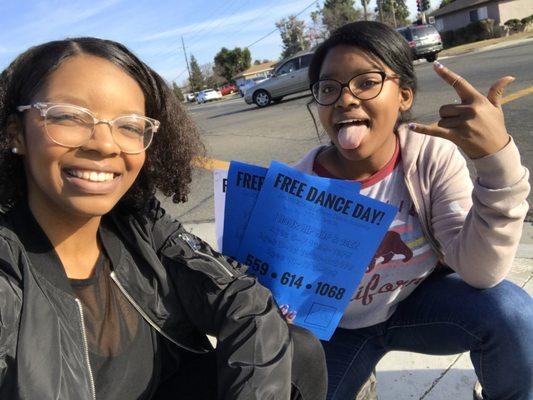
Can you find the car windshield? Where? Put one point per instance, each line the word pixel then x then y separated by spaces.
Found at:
pixel 423 31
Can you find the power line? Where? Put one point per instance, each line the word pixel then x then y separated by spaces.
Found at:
pixel 200 33
pixel 180 74
pixel 262 13
pixel 203 26
pixel 220 21
pixel 276 29
pixel 170 48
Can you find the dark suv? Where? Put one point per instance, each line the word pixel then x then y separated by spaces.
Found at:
pixel 424 40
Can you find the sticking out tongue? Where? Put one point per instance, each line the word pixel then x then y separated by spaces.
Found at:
pixel 350 136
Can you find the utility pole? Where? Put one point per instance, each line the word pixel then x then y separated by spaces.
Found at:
pixel 187 62
pixel 365 3
pixel 380 8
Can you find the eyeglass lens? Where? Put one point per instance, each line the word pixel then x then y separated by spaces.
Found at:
pixel 72 127
pixel 365 87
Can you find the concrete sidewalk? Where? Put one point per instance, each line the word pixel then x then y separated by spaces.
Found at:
pixel 402 375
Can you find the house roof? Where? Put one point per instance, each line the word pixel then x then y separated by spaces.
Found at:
pixel 255 69
pixel 458 5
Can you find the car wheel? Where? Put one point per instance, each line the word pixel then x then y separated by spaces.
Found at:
pixel 262 98
pixel 431 58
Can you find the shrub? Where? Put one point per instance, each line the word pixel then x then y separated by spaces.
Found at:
pixel 527 20
pixel 478 30
pixel 513 24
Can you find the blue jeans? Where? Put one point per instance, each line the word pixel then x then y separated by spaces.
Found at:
pixel 444 315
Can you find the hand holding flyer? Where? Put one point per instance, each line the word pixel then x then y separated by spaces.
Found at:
pixel 308 239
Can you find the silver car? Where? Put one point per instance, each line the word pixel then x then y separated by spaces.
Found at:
pixel 290 76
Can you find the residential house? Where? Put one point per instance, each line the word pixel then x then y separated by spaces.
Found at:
pixel 255 71
pixel 460 13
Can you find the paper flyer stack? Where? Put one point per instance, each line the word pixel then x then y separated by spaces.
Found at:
pixel 308 239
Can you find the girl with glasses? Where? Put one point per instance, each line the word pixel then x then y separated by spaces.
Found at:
pixel 437 282
pixel 102 294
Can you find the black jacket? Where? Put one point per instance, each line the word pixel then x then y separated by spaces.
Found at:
pixel 180 286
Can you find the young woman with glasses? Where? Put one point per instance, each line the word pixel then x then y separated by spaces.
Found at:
pixel 102 294
pixel 436 284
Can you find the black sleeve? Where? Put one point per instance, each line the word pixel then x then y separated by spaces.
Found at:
pixel 10 309
pixel 254 350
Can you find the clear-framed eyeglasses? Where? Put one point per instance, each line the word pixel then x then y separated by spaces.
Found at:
pixel 364 86
pixel 73 126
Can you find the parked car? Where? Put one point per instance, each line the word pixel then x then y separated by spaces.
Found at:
pixel 249 83
pixel 208 95
pixel 228 89
pixel 190 97
pixel 424 40
pixel 289 77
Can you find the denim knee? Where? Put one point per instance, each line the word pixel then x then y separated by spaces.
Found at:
pixel 508 311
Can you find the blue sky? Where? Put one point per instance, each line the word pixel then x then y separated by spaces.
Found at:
pixel 153 28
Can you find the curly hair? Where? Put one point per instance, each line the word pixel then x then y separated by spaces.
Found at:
pixel 167 168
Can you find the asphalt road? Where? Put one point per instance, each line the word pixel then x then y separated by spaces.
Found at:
pixel 233 130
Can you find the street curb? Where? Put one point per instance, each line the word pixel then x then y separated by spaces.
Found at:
pixel 489 47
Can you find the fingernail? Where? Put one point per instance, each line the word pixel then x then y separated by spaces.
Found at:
pixel 291 315
pixel 438 64
pixel 411 125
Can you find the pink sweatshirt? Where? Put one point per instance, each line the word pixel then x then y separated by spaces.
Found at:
pixel 474 228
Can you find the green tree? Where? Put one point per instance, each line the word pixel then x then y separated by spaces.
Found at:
pixel 197 78
pixel 229 63
pixel 337 13
pixel 178 92
pixel 400 17
pixel 293 35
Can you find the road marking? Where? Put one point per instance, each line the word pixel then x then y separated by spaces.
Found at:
pixel 211 163
pixel 517 95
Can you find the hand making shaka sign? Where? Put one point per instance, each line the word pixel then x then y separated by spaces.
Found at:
pixel 476 125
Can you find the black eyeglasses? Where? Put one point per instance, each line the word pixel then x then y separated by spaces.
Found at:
pixel 365 86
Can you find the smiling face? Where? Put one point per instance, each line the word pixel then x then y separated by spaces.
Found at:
pixel 89 180
pixel 362 130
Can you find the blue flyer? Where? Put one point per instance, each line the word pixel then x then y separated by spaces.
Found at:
pixel 243 186
pixel 309 240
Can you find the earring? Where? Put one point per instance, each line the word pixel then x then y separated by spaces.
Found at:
pixel 14 150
